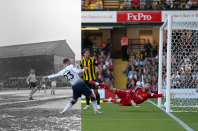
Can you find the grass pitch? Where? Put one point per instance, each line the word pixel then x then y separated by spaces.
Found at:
pixel 145 118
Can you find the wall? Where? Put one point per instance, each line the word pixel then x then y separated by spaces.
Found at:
pixel 133 33
pixel 106 33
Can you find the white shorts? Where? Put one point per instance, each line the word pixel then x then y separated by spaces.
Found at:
pixel 43 85
pixel 53 83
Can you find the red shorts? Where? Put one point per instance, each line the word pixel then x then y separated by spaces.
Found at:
pixel 124 96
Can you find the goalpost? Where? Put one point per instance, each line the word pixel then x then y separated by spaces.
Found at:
pixel 178 69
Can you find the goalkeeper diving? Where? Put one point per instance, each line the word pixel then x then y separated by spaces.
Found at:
pixel 131 97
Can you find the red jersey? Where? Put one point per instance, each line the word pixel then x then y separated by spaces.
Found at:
pixel 138 96
pixel 189 44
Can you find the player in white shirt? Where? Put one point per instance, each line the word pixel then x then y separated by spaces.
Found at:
pixel 31 80
pixel 79 88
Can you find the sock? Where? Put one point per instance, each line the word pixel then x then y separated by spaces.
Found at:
pixel 114 100
pixel 69 105
pixel 93 102
pixel 87 100
pixel 104 86
pixel 98 98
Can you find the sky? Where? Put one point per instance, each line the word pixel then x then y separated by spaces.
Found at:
pixel 32 21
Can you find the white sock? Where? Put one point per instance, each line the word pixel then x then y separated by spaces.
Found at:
pixel 94 104
pixel 109 100
pixel 96 83
pixel 69 105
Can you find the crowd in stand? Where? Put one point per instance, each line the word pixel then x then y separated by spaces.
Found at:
pixel 143 67
pixel 158 4
pixel 144 4
pixel 184 64
pixel 91 4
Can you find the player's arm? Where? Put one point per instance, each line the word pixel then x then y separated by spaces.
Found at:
pixel 79 71
pixel 99 68
pixel 55 75
pixel 81 68
pixel 152 95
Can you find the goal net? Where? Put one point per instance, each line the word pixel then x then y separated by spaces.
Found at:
pixel 178 65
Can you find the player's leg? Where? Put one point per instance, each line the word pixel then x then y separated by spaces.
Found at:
pixel 116 101
pixel 54 87
pixel 31 93
pixel 94 104
pixel 44 88
pixel 51 89
pixel 85 90
pixel 87 97
pixel 69 105
pixel 107 87
pixel 97 97
pixel 33 90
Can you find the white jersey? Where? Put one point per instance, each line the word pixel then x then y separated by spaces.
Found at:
pixel 69 72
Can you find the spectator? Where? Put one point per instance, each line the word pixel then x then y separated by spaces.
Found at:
pixel 147 76
pixel 92 5
pixel 142 4
pixel 154 89
pixel 140 82
pixel 149 4
pixel 109 59
pixel 164 46
pixel 102 65
pixel 139 55
pixel 96 58
pixel 154 47
pixel 176 4
pixel 131 84
pixel 188 45
pixel 189 5
pixel 138 63
pixel 109 75
pixel 87 4
pixel 194 6
pixel 95 48
pixel 82 4
pixel 148 47
pixel 108 82
pixel 136 4
pixel 132 55
pixel 127 4
pixel 183 4
pixel 169 4
pixel 99 4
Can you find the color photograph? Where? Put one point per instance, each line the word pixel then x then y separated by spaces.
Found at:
pixel 146 73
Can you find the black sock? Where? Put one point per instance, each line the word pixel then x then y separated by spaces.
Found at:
pixel 98 99
pixel 87 100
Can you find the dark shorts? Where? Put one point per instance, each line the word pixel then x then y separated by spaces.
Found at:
pixel 32 84
pixel 89 85
pixel 79 89
pixel 123 95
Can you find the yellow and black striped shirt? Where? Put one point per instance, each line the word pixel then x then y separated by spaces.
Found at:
pixel 89 74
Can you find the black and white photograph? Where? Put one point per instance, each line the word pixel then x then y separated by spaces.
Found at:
pixel 40 52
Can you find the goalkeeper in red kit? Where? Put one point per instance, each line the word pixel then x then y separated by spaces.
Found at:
pixel 132 97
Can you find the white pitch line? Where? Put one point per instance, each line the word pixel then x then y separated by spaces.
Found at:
pixel 128 119
pixel 33 100
pixel 174 117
